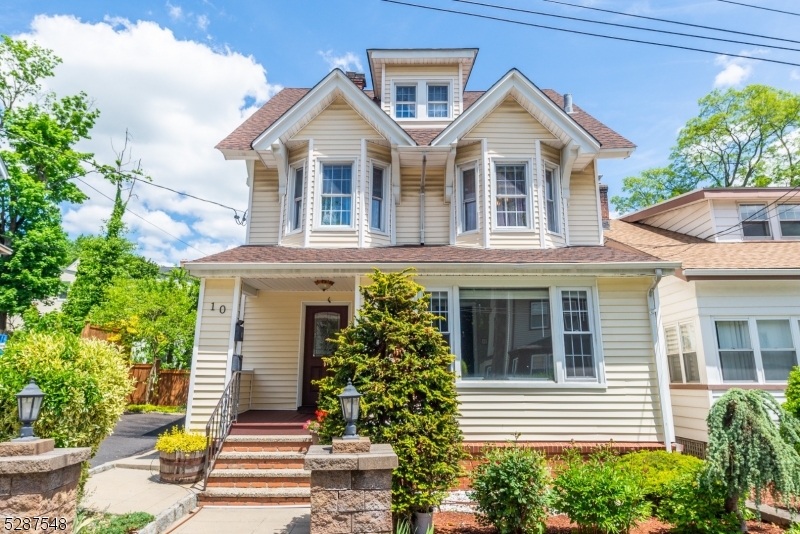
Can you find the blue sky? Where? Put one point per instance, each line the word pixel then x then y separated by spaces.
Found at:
pixel 233 53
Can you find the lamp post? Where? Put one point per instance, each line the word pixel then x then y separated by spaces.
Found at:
pixel 350 400
pixel 29 402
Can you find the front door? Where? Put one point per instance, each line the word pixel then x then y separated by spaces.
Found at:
pixel 322 322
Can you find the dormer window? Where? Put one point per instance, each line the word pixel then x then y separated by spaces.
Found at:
pixel 438 101
pixel 755 221
pixel 405 102
pixel 789 217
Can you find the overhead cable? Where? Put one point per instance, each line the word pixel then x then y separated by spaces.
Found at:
pixel 761 7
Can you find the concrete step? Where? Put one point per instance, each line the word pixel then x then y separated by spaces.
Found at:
pixel 260 460
pixel 255 496
pixel 259 478
pixel 262 443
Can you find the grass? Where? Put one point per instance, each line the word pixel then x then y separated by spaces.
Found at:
pixel 150 408
pixel 103 523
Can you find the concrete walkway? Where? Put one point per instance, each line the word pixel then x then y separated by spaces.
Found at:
pixel 121 491
pixel 134 433
pixel 248 520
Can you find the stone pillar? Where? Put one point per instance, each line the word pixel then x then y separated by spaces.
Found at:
pixel 351 487
pixel 37 480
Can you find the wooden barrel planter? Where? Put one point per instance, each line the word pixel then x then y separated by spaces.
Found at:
pixel 181 467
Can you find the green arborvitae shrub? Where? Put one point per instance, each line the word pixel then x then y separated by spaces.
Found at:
pixel 599 494
pixel 511 489
pixel 695 506
pixel 85 382
pixel 749 450
pixel 658 469
pixel 792 404
pixel 401 365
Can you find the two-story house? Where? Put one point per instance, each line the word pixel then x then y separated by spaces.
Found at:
pixel 492 196
pixel 731 315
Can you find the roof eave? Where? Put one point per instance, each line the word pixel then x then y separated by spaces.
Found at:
pixel 740 274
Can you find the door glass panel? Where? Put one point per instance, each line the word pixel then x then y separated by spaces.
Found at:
pixel 326 324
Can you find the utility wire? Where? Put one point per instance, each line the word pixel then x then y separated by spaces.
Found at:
pixel 758 213
pixel 671 21
pixel 760 7
pixel 142 218
pixel 638 41
pixel 235 211
pixel 694 36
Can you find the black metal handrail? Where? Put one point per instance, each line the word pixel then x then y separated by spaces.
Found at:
pixel 220 422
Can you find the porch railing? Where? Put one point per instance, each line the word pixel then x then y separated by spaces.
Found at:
pixel 220 422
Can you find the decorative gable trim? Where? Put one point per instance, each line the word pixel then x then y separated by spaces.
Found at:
pixel 336 84
pixel 530 97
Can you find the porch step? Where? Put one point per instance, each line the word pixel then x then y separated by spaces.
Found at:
pixel 255 496
pixel 266 429
pixel 259 478
pixel 259 460
pixel 267 443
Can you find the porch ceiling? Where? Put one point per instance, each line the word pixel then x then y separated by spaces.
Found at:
pixel 306 283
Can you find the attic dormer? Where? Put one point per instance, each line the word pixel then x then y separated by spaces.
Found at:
pixel 423 87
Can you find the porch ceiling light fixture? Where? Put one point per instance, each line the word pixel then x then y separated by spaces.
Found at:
pixel 324 284
pixel 350 399
pixel 29 403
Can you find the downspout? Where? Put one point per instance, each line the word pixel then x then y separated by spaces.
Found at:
pixel 661 358
pixel 422 200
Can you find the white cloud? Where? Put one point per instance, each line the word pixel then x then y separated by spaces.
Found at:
pixel 175 12
pixel 348 61
pixel 735 70
pixel 794 75
pixel 177 99
pixel 202 22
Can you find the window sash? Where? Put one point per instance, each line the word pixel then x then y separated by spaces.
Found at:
pixel 778 353
pixel 511 198
pixel 469 200
pixel 755 220
pixel 378 192
pixel 438 101
pixel 578 334
pixel 736 354
pixel 550 195
pixel 405 101
pixel 789 218
pixel 297 200
pixel 337 195
pixel 439 305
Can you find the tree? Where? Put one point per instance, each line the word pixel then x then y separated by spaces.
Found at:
pixel 154 316
pixel 651 187
pixel 747 450
pixel 401 365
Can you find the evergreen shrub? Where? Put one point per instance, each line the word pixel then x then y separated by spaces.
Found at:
pixel 792 404
pixel 694 506
pixel 658 469
pixel 400 363
pixel 511 489
pixel 599 494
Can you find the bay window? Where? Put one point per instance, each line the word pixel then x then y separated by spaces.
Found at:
pixel 512 195
pixel 337 195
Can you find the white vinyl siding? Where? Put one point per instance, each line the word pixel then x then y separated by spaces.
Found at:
pixel 694 219
pixel 264 213
pixel 437 212
pixel 583 215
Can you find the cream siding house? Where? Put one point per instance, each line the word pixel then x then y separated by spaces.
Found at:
pixel 731 315
pixel 493 197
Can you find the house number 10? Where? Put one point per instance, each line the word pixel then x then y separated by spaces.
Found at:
pixel 221 308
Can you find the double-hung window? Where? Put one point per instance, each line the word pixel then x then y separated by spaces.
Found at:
pixel 551 200
pixel 769 357
pixel 337 196
pixel 439 306
pixel 405 106
pixel 755 221
pixel 512 195
pixel 778 355
pixel 296 208
pixel 438 101
pixel 578 335
pixel 789 217
pixel 736 354
pixel 377 215
pixel 682 354
pixel 469 200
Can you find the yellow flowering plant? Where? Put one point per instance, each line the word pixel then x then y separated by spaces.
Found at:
pixel 180 440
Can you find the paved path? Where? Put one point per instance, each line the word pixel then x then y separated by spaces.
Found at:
pixel 248 520
pixel 120 491
pixel 135 433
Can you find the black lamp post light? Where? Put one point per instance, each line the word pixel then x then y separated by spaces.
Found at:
pixel 350 400
pixel 29 403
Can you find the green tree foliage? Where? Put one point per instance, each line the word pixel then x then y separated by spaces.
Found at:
pixel 401 365
pixel 85 382
pixel 792 404
pixel 155 315
pixel 748 451
pixel 740 138
pixel 511 489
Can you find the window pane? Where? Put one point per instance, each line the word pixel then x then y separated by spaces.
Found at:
pixel 578 347
pixel 754 220
pixel 406 98
pixel 376 215
pixel 298 183
pixel 690 369
pixel 326 324
pixel 550 200
pixel 377 182
pixel 437 93
pixel 511 195
pixel 778 364
pixel 336 189
pixel 297 204
pixel 406 93
pixel 687 337
pixel 511 179
pixel 506 334
pixel 439 306
pixel 777 349
pixel 468 193
pixel 298 214
pixel 736 354
pixel 789 216
pixel 673 355
pixel 376 206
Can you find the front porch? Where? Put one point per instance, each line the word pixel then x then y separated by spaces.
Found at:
pixel 270 423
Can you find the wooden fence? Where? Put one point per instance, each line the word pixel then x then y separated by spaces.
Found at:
pixel 171 387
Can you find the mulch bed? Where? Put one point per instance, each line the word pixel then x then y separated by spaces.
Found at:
pixel 464 523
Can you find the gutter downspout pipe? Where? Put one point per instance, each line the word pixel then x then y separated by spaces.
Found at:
pixel 660 354
pixel 422 200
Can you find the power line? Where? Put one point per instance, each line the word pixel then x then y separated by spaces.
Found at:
pixel 694 36
pixel 671 21
pixel 758 213
pixel 625 39
pixel 236 212
pixel 760 7
pixel 142 218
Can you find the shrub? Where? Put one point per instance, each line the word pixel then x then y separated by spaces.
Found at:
pixel 694 506
pixel 401 365
pixel 178 439
pixel 510 488
pixel 792 404
pixel 150 408
pixel 105 523
pixel 85 382
pixel 658 469
pixel 599 494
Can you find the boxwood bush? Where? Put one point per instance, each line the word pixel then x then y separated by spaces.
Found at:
pixel 658 470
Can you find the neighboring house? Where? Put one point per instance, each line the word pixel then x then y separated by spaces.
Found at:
pixel 68 277
pixel 492 196
pixel 731 315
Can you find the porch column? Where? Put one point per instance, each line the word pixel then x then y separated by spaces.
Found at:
pixel 237 305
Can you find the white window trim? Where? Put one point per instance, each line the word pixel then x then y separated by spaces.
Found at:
pixel 594 323
pixel 780 230
pixel 387 205
pixel 755 343
pixel 466 166
pixel 768 220
pixel 559 207
pixel 448 102
pixel 529 188
pixel 290 197
pixel 422 97
pixel 353 226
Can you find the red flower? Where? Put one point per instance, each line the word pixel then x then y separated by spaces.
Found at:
pixel 321 414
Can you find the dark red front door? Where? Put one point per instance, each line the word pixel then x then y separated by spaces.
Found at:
pixel 322 322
